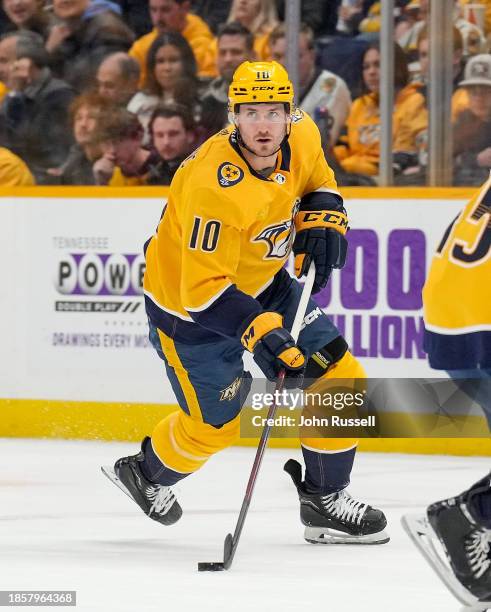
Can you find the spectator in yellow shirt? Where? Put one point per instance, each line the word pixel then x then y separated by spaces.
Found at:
pixel 13 171
pixel 174 16
pixel 412 135
pixel 361 151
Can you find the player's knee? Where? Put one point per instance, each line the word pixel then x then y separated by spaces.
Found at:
pixel 325 358
pixel 333 360
pixel 226 434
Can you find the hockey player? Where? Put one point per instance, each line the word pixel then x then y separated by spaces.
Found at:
pixel 456 298
pixel 215 286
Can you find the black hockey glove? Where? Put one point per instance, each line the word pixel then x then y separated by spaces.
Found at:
pixel 320 238
pixel 274 348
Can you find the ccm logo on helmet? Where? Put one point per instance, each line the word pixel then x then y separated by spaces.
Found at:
pixel 263 88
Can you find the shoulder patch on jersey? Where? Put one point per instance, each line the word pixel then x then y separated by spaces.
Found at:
pixel 229 174
pixel 297 115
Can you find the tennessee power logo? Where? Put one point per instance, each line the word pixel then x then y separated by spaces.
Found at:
pixel 99 282
pixel 229 174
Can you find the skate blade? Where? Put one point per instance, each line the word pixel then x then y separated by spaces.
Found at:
pixel 324 535
pixel 109 472
pixel 428 544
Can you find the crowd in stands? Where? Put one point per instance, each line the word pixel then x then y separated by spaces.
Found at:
pixel 119 92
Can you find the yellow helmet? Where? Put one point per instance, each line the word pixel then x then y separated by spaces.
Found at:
pixel 255 82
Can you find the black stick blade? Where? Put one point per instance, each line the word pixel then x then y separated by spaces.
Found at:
pixel 211 566
pixel 228 551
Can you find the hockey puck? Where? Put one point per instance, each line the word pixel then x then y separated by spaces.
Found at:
pixel 211 567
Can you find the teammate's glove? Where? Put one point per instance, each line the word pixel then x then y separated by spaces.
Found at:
pixel 320 238
pixel 274 348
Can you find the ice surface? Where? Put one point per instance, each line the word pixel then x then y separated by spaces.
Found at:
pixel 64 526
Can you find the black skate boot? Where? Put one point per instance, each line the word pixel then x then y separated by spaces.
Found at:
pixel 466 542
pixel 336 518
pixel 157 501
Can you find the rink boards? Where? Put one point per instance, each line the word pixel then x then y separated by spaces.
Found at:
pixel 77 362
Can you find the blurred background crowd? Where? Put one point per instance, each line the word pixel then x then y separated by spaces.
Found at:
pixel 119 92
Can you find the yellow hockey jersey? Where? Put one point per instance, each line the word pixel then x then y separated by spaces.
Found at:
pixel 227 231
pixel 457 292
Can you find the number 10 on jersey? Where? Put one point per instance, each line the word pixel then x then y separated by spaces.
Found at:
pixel 204 236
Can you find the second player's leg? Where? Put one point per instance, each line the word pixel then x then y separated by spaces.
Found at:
pixel 325 506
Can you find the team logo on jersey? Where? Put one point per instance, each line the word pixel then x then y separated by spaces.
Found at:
pixel 279 178
pixel 229 174
pixel 278 238
pixel 231 391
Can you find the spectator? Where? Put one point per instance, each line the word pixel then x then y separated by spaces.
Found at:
pixel 412 135
pixel 35 111
pixel 13 171
pixel 457 56
pixel 320 15
pixel 125 162
pixel 117 78
pixel 487 13
pixel 173 16
pixel 171 77
pixel 322 94
pixel 80 39
pixel 361 152
pixel 172 131
pixel 472 36
pixel 214 12
pixel 235 45
pixel 8 43
pixel 27 15
pixel 472 129
pixel 260 18
pixel 85 111
pixel 136 15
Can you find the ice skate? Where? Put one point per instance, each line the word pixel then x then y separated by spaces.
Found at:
pixel 456 546
pixel 157 501
pixel 336 518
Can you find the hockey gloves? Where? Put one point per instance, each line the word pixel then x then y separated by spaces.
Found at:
pixel 274 348
pixel 320 238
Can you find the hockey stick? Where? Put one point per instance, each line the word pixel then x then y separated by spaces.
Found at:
pixel 231 542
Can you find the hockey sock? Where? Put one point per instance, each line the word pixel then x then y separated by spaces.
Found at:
pixel 327 472
pixel 481 506
pixel 153 468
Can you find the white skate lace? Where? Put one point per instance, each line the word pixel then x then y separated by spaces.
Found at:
pixel 162 499
pixel 477 547
pixel 344 507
